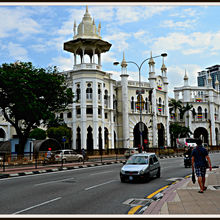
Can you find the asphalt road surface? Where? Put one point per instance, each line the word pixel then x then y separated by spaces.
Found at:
pixel 93 190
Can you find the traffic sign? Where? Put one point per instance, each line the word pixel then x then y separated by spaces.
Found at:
pixel 145 141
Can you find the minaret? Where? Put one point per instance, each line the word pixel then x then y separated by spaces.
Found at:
pixel 99 29
pixel 216 84
pixel 209 81
pixel 186 82
pixel 74 28
pixel 165 81
pixel 152 80
pixel 124 91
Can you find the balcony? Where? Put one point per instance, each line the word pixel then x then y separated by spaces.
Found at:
pixel 93 66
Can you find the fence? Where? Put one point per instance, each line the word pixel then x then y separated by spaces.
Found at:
pixel 35 161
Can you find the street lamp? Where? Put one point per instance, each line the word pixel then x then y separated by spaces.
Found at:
pixel 140 92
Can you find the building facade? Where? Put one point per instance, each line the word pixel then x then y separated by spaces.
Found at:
pixel 204 119
pixel 106 113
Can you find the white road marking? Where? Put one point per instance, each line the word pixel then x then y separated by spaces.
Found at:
pixel 91 187
pixel 32 207
pixel 100 173
pixel 53 181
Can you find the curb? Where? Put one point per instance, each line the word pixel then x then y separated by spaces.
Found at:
pixel 56 169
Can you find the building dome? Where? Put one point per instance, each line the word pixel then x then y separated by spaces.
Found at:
pixel 87 28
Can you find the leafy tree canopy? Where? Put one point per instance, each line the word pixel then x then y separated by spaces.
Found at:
pixel 29 95
pixel 59 132
pixel 38 134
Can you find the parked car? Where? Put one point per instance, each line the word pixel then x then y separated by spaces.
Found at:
pixel 68 155
pixel 141 166
pixel 130 151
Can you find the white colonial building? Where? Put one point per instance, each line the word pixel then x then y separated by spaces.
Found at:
pixel 205 121
pixel 106 113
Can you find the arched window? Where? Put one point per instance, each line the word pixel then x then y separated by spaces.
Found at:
pixel 199 112
pixel 132 103
pixel 106 98
pixel 114 102
pixel 89 91
pixel 78 91
pixel 99 92
pixel 159 105
pixel 146 104
pixel 206 114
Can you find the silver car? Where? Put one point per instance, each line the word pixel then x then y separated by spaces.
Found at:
pixel 67 156
pixel 141 166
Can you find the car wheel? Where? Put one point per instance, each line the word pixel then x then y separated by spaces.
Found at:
pixel 80 159
pixel 158 173
pixel 122 180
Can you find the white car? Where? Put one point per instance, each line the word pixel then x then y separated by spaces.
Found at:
pixel 140 167
pixel 130 151
pixel 68 156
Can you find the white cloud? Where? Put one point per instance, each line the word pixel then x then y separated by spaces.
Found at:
pixel 194 43
pixel 62 63
pixel 178 24
pixel 108 57
pixel 18 22
pixel 176 75
pixel 17 52
pixel 185 13
pixel 118 40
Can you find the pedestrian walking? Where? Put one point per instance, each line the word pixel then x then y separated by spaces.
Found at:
pixel 49 153
pixel 199 157
pixel 84 154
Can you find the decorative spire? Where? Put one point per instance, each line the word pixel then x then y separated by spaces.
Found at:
pixel 123 63
pixel 99 28
pixel 185 77
pixel 74 27
pixel 151 61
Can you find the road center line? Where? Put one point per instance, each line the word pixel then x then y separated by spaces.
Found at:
pixel 53 181
pixel 100 173
pixel 32 207
pixel 99 185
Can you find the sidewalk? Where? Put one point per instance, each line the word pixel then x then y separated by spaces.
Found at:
pixel 183 198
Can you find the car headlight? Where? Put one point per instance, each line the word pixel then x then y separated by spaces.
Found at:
pixel 187 156
pixel 142 172
pixel 122 171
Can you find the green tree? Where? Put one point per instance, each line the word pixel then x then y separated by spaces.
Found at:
pixel 38 134
pixel 59 132
pixel 178 131
pixel 55 121
pixel 174 106
pixel 29 96
pixel 184 109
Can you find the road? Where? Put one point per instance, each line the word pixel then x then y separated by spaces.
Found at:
pixel 92 190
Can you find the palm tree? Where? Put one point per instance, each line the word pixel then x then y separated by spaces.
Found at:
pixel 184 109
pixel 178 131
pixel 174 105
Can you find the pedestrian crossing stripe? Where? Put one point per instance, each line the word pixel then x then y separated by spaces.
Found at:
pixel 134 209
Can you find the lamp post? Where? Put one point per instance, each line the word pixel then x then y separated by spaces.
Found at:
pixel 140 92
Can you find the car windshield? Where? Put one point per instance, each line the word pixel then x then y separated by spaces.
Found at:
pixel 138 160
pixel 58 152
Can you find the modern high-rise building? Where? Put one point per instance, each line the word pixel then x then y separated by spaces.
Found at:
pixel 213 71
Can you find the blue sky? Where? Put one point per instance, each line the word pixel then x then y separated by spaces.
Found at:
pixel 189 34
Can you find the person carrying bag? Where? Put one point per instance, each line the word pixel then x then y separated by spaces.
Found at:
pixel 199 157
